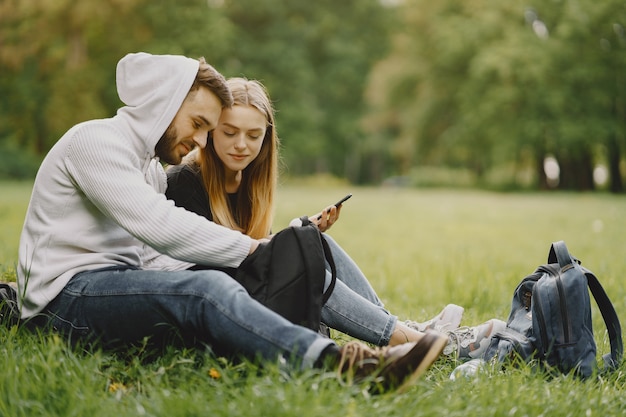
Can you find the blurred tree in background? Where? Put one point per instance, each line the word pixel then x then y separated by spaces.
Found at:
pixel 485 84
pixel 364 89
pixel 315 58
pixel 58 57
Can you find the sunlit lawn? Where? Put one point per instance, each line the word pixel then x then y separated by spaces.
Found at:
pixel 421 249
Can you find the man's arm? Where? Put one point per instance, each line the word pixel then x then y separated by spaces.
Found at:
pixel 110 176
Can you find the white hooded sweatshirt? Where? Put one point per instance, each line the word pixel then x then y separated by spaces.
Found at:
pixel 98 198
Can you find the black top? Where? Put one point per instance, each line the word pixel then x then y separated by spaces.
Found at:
pixel 184 187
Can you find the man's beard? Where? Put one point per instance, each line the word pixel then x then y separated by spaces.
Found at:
pixel 164 148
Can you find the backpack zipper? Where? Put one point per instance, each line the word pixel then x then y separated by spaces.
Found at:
pixel 563 303
pixel 542 322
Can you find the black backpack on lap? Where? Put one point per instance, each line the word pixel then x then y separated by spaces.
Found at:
pixel 287 274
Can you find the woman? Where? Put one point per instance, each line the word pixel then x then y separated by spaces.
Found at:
pixel 232 181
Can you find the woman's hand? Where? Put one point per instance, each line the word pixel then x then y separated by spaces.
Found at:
pixel 326 218
pixel 255 244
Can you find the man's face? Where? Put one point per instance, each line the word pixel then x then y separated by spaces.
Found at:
pixel 197 116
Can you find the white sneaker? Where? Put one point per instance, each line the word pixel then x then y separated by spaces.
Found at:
pixel 446 321
pixel 472 342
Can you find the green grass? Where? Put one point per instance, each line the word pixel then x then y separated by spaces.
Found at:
pixel 13 203
pixel 421 250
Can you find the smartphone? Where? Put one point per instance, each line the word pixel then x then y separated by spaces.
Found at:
pixel 338 203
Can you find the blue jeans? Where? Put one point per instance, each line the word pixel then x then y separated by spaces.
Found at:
pixel 353 307
pixel 126 305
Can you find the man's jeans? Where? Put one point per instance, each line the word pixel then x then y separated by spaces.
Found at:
pixel 126 305
pixel 353 307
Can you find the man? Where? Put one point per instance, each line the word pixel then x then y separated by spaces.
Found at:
pixel 98 201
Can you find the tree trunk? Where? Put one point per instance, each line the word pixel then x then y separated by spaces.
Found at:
pixel 616 184
pixel 576 171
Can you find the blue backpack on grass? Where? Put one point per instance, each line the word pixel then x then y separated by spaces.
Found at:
pixel 550 319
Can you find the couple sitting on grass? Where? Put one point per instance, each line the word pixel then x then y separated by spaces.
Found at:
pixel 110 239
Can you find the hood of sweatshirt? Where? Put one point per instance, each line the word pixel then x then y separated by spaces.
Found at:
pixel 152 88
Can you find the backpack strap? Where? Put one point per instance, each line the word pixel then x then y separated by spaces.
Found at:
pixel 329 258
pixel 333 269
pixel 559 254
pixel 611 320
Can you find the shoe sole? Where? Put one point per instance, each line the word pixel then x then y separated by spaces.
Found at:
pixel 429 348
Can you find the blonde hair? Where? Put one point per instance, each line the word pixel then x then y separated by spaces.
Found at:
pixel 254 210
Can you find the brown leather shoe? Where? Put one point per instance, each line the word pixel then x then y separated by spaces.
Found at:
pixel 9 312
pixel 391 367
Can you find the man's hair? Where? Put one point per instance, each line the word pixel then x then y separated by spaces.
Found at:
pixel 210 78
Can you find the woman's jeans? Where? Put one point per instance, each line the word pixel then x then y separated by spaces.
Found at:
pixel 353 307
pixel 127 305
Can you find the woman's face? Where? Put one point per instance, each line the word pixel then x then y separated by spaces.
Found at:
pixel 238 136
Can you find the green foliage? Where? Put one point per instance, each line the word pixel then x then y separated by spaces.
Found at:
pixel 421 249
pixel 492 81
pixel 314 58
pixel 58 60
pixel 363 89
pixel 17 163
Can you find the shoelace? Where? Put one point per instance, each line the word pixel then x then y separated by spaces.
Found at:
pixel 457 337
pixel 355 352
